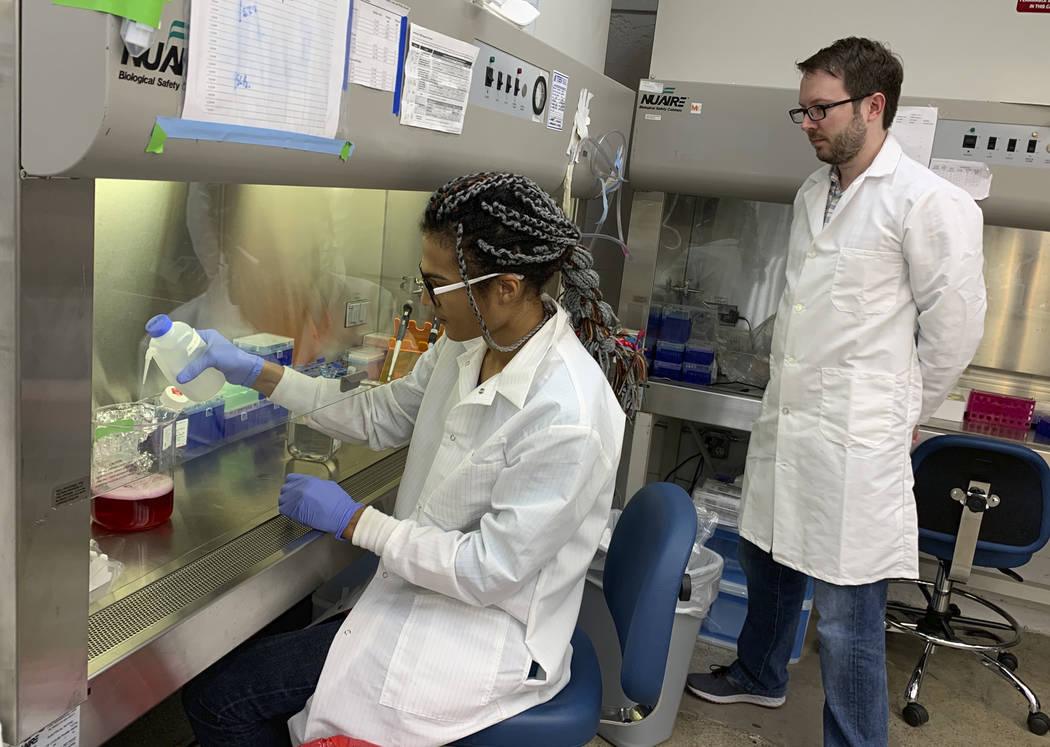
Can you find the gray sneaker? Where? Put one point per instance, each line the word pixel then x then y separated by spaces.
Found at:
pixel 717 687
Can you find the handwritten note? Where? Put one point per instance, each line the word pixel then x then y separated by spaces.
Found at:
pixel 375 32
pixel 274 64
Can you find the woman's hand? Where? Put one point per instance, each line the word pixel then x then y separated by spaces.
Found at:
pixel 317 503
pixel 238 366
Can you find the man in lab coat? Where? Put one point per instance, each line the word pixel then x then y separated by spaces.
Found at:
pixel 882 310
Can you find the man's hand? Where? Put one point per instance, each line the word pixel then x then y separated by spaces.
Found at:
pixel 317 503
pixel 915 436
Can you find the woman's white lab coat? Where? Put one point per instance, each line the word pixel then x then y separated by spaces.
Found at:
pixel 882 310
pixel 504 497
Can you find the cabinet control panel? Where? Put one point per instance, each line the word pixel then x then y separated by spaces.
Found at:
pixel 506 84
pixel 993 143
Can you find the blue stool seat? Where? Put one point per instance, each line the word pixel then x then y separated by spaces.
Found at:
pixel 569 719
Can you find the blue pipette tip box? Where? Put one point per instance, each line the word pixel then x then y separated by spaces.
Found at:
pixel 272 347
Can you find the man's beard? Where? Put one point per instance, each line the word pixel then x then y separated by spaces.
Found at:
pixel 847 144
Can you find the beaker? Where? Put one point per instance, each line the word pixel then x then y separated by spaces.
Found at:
pixel 309 444
pixel 132 466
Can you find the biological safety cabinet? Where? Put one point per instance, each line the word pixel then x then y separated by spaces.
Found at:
pixel 106 224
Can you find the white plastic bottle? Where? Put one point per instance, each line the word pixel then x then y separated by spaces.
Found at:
pixel 173 346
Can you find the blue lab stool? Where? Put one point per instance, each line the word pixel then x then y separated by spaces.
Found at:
pixel 643 580
pixel 981 502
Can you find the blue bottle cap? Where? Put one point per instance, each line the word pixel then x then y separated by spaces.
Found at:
pixel 158 325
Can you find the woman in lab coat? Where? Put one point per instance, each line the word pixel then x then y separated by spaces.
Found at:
pixel 514 436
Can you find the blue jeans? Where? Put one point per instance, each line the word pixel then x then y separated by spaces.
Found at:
pixel 852 641
pixel 246 698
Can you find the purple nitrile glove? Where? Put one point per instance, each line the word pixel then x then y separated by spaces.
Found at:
pixel 317 503
pixel 238 366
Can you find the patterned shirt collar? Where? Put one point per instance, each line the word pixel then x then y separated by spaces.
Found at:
pixel 834 193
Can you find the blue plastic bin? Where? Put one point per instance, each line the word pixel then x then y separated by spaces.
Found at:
pixel 670 352
pixel 676 324
pixel 695 373
pixel 276 348
pixel 725 619
pixel 205 422
pixel 699 353
pixel 726 542
pixel 665 370
pixel 652 327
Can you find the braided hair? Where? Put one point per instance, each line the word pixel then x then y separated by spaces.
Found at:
pixel 505 223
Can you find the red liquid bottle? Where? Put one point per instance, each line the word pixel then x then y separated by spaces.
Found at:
pixel 143 504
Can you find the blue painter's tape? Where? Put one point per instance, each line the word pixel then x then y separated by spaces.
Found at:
pixel 346 61
pixel 189 129
pixel 402 41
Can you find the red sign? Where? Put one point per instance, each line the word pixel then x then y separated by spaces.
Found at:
pixel 1033 6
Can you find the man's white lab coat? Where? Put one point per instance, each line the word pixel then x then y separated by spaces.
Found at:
pixel 882 310
pixel 505 495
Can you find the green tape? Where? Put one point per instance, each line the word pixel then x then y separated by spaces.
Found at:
pixel 344 154
pixel 143 11
pixel 117 426
pixel 156 140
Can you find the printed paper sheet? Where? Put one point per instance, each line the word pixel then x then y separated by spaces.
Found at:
pixel 375 35
pixel 438 71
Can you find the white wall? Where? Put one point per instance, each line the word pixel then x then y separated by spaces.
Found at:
pixel 966 49
pixel 579 28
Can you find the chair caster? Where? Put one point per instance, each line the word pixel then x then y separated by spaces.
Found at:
pixel 1038 723
pixel 1008 660
pixel 915 715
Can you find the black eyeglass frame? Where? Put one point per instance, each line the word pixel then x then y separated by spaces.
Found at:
pixel 807 111
pixel 428 286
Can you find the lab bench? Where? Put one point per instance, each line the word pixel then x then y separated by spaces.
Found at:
pixel 221 568
pixel 737 407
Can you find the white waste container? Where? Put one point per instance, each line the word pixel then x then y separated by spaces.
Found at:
pixel 622 724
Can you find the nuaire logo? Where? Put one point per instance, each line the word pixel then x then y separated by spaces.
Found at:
pixel 665 101
pixel 163 57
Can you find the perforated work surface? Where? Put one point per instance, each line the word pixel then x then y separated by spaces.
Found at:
pixel 111 626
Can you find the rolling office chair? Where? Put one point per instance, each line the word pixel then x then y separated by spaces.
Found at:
pixel 985 503
pixel 643 580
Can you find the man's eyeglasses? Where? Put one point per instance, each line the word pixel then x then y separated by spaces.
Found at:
pixel 817 112
pixel 435 292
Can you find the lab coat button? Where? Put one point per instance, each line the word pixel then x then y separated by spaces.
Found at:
pixel 799 307
pixel 384 574
pixel 811 254
pixel 481 391
pixel 790 360
pixel 785 410
pixel 452 437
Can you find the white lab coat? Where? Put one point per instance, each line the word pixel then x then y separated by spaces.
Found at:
pixel 503 500
pixel 882 310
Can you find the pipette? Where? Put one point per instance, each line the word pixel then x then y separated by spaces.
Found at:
pixel 406 312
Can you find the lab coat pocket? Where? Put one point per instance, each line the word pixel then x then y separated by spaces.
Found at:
pixel 856 407
pixel 465 495
pixel 866 281
pixel 445 662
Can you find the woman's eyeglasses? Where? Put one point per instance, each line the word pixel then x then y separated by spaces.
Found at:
pixel 435 292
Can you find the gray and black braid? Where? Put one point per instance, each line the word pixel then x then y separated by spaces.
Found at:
pixel 505 223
